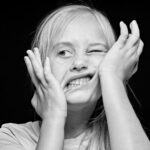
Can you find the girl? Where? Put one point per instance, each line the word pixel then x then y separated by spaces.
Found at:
pixel 80 70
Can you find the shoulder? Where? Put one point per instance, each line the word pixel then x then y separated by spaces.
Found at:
pixel 25 135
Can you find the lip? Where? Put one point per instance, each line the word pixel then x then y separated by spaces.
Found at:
pixel 93 74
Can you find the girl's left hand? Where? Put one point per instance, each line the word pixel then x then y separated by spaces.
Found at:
pixel 123 57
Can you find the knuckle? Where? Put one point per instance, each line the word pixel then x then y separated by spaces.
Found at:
pixel 122 39
pixel 135 37
pixel 124 36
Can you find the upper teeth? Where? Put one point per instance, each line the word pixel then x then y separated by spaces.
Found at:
pixel 78 82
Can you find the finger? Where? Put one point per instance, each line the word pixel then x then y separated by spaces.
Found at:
pixel 39 89
pixel 123 33
pixel 47 70
pixel 137 51
pixel 37 69
pixel 135 34
pixel 38 56
pixel 31 71
pixel 133 50
pixel 140 48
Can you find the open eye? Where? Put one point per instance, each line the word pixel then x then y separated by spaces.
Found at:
pixel 64 53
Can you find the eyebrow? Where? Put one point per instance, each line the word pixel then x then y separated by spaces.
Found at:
pixel 72 45
pixel 63 43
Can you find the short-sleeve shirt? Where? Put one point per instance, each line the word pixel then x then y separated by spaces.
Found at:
pixel 25 137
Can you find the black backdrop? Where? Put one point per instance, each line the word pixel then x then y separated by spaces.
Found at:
pixel 18 24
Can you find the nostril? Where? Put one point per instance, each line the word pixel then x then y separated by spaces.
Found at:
pixel 78 68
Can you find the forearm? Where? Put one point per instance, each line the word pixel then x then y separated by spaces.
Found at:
pixel 51 134
pixel 126 132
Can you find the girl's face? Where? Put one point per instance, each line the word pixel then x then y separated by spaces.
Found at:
pixel 75 60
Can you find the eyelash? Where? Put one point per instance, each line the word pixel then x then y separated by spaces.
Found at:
pixel 60 52
pixel 97 51
pixel 63 51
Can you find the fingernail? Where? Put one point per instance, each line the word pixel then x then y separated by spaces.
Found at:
pixel 134 21
pixel 121 22
pixel 27 51
pixel 34 49
pixel 25 57
pixel 47 59
pixel 131 24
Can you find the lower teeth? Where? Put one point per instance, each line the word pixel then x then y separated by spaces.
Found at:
pixel 73 86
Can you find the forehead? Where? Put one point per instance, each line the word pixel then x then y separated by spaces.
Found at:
pixel 84 29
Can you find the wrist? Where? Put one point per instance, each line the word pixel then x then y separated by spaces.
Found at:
pixel 55 115
pixel 54 121
pixel 110 74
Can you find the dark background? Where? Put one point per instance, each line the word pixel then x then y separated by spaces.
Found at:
pixel 18 25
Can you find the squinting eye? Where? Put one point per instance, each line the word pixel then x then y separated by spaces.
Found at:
pixel 64 53
pixel 97 51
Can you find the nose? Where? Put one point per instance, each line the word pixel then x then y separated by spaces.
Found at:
pixel 79 64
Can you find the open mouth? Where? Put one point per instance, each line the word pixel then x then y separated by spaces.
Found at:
pixel 78 81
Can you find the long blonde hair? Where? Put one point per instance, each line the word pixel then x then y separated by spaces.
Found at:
pixel 48 32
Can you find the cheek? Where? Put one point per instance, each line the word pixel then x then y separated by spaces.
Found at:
pixel 59 69
pixel 96 60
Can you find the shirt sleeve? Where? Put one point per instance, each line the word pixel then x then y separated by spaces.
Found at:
pixel 8 141
pixel 19 136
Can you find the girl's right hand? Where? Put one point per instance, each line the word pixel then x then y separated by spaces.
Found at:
pixel 49 98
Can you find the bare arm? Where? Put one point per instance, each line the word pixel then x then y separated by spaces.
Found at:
pixel 126 132
pixel 52 134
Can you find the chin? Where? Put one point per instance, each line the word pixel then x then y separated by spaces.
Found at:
pixel 78 97
pixel 79 101
pixel 82 97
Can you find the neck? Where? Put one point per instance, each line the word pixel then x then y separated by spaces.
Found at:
pixel 77 119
